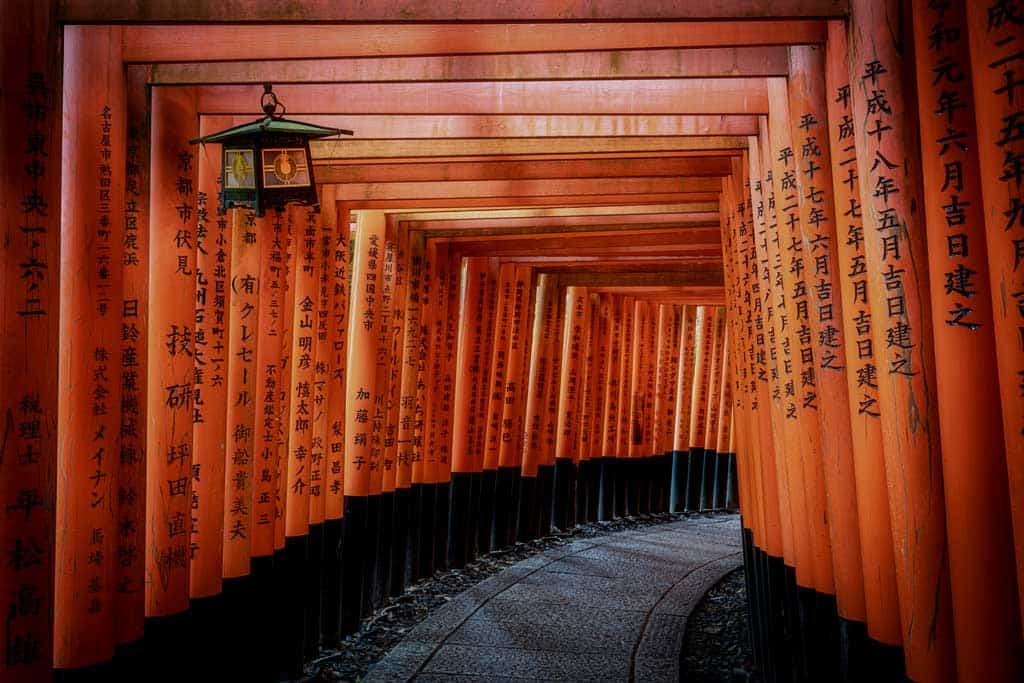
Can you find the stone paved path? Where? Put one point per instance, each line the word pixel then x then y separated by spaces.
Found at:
pixel 603 609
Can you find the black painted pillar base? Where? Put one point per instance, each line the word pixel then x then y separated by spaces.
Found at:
pixel 563 504
pixel 473 518
pixel 645 478
pixel 372 556
pixel 506 504
pixel 425 526
pixel 485 535
pixel 621 484
pixel 412 559
pixel 210 622
pixel 665 482
pixel 385 543
pixel 545 498
pixel 582 491
pixel 606 476
pixel 732 493
pixel 458 526
pixel 313 585
pixel 400 536
pixel 593 489
pixel 707 480
pixel 721 481
pixel 330 611
pixel 88 674
pixel 529 509
pixel 129 664
pixel 694 469
pixel 677 486
pixel 633 487
pixel 295 568
pixel 442 512
pixel 354 549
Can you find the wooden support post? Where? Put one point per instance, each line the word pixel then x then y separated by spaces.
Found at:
pixel 994 37
pixel 624 427
pixel 89 416
pixel 714 397
pixel 30 272
pixel 402 468
pixel 210 396
pixel 170 408
pixel 534 438
pixel 361 375
pixel 470 359
pixel 824 318
pixel 507 484
pixel 291 240
pixel 130 572
pixel 703 349
pixel 410 412
pixel 495 400
pixel 894 242
pixel 683 404
pixel 480 502
pixel 986 622
pixel 601 378
pixel 877 553
pixel 611 407
pixel 576 313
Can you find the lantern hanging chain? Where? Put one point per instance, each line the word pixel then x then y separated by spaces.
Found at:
pixel 270 103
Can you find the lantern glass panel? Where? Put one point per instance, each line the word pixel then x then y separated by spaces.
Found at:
pixel 285 167
pixel 239 169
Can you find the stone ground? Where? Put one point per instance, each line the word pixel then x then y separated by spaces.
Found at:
pixel 604 606
pixel 717 645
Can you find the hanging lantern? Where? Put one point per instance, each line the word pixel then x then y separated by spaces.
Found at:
pixel 266 163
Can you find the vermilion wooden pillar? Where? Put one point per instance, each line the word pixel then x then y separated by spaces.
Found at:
pixel 210 396
pixel 610 411
pixel 986 622
pixel 170 408
pixel 534 444
pixel 382 482
pixel 896 258
pixel 703 344
pixel 601 490
pixel 234 285
pixel 359 405
pixel 636 405
pixel 824 310
pixel 714 398
pixel 267 416
pixel 683 404
pixel 91 214
pixel 995 38
pixel 30 234
pixel 879 570
pixel 482 503
pixel 291 242
pixel 772 440
pixel 624 428
pixel 130 572
pixel 410 412
pixel 719 443
pixel 586 407
pixel 647 424
pixel 495 399
pixel 507 485
pixel 576 313
pixel 470 358
pixel 801 388
pixel 402 470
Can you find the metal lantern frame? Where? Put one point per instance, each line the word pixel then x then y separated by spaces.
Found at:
pixel 266 163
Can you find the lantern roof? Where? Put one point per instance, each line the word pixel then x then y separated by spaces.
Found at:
pixel 272 124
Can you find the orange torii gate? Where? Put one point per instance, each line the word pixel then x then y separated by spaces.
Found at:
pixel 628 185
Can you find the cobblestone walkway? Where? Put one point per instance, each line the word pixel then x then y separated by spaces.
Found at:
pixel 611 609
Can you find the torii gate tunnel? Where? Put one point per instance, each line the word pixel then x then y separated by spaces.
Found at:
pixel 582 259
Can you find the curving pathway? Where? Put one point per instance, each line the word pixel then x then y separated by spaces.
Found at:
pixel 611 608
